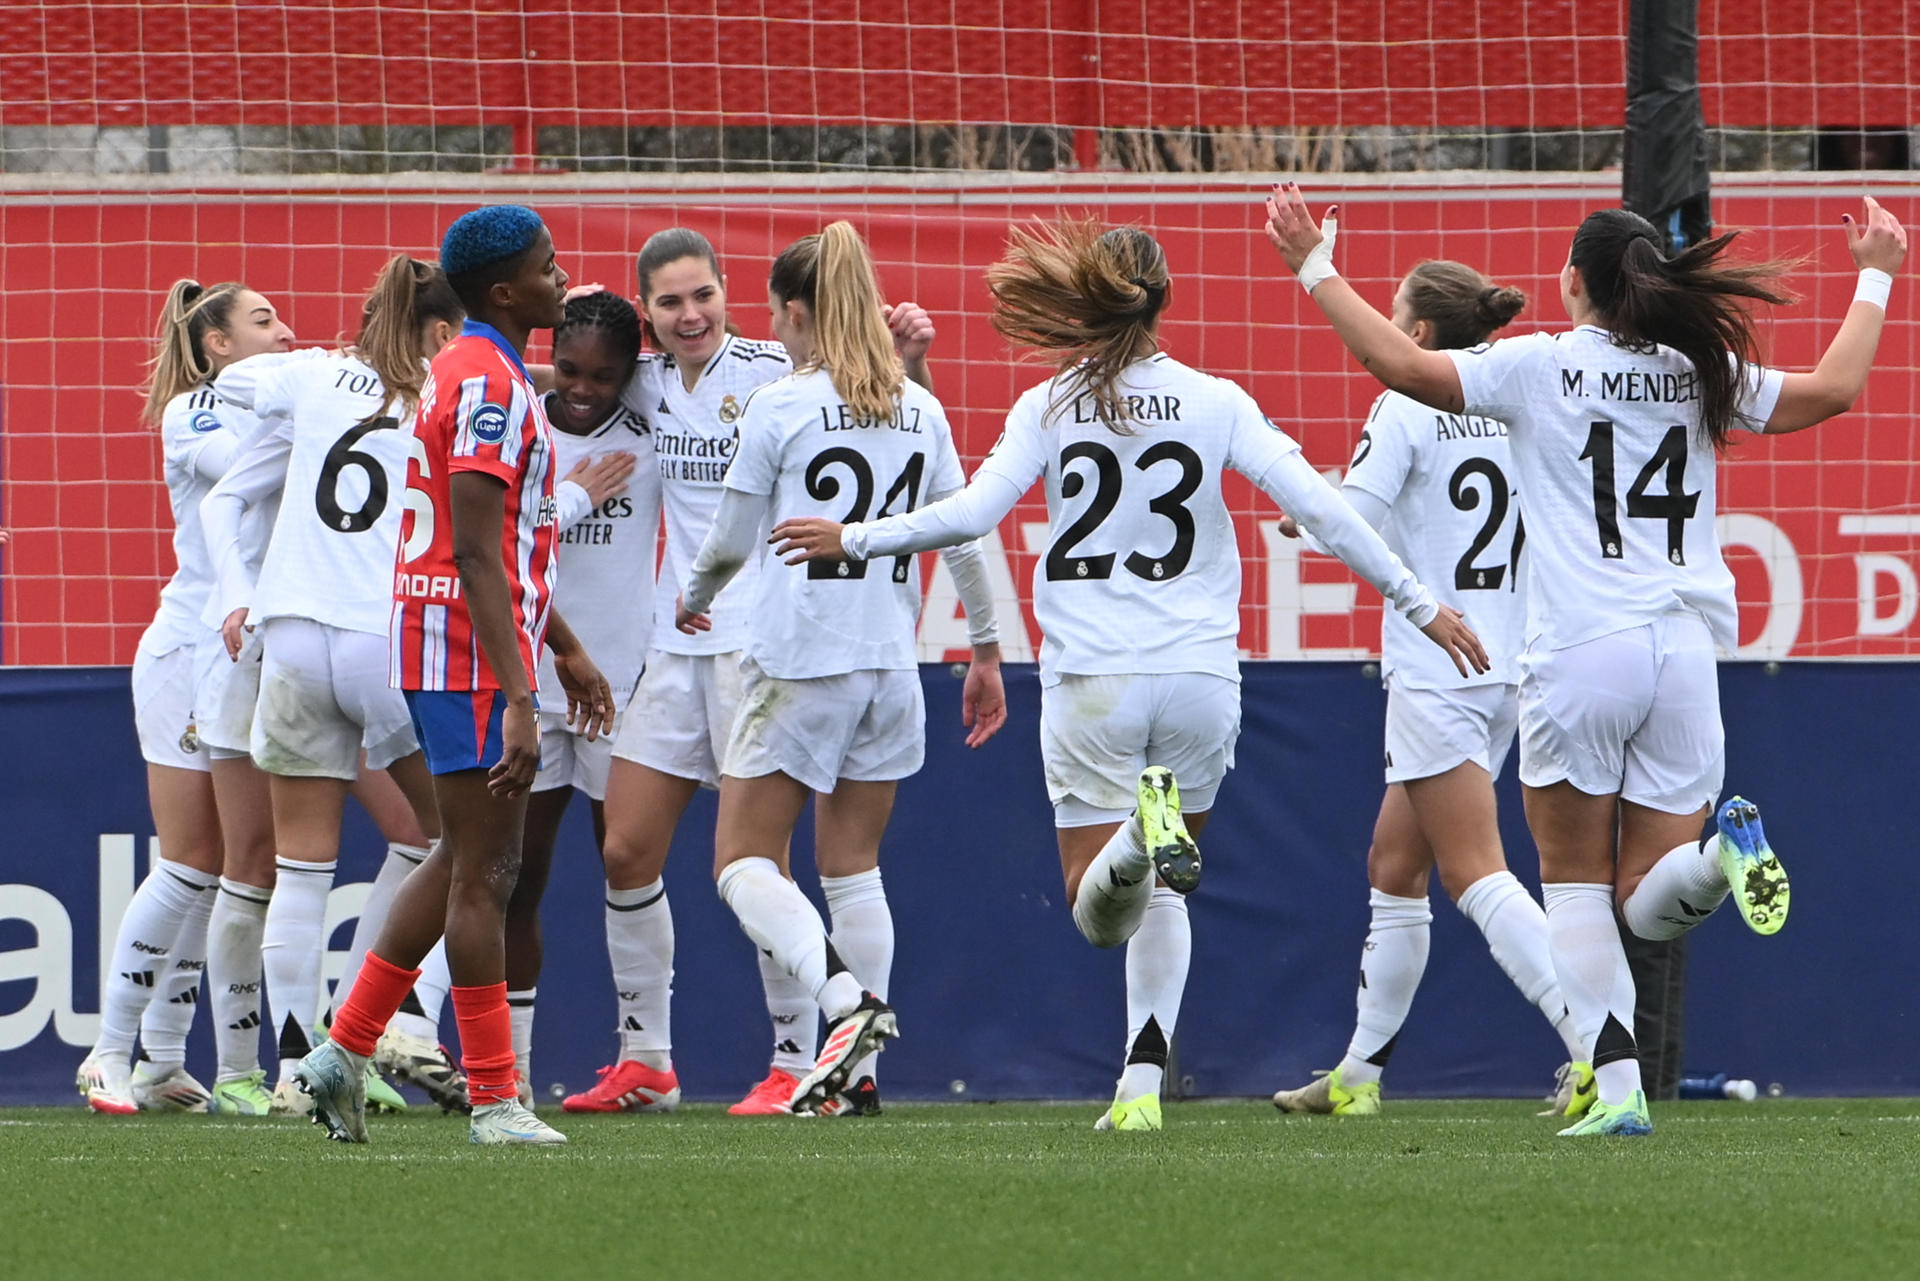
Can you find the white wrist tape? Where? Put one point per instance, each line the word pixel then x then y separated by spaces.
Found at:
pixel 1875 287
pixel 1319 264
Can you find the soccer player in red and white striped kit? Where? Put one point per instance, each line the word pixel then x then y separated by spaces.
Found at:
pixel 473 595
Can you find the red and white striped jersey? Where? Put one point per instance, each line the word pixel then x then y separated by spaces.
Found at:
pixel 479 412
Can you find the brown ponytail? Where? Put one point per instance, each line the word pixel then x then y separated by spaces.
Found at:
pixel 832 274
pixel 1690 302
pixel 1091 295
pixel 180 361
pixel 406 295
pixel 1463 306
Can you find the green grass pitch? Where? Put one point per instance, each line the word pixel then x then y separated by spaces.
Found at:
pixel 1790 1188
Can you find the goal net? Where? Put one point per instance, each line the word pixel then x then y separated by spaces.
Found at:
pixel 294 146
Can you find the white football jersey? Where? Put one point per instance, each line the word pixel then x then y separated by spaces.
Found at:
pixel 1453 516
pixel 800 444
pixel 1142 568
pixel 1616 476
pixel 606 595
pixel 336 441
pixel 695 434
pixel 198 435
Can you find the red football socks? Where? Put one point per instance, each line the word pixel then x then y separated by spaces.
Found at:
pixel 486 1043
pixel 376 995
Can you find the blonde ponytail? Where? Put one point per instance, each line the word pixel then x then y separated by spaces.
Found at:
pixel 832 273
pixel 180 361
pixel 406 295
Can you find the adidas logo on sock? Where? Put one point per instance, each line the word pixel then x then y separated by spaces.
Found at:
pixel 251 1021
pixel 139 978
pixel 634 1025
pixel 788 1046
pixel 1119 881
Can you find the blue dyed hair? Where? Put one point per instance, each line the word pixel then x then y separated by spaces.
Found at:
pixel 486 236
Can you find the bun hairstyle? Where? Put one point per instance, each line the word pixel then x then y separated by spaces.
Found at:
pixel 406 295
pixel 1463 306
pixel 1692 301
pixel 832 274
pixel 180 361
pixel 1089 295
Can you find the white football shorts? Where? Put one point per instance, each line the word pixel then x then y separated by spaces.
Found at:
pixel 164 687
pixel 323 697
pixel 229 691
pixel 567 759
pixel 1098 732
pixel 1636 712
pixel 1430 731
pixel 867 727
pixel 682 714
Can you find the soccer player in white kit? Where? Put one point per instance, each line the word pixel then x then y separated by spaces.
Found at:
pixel 1138 593
pixel 201 331
pixel 336 434
pixel 1439 489
pixel 832 703
pixel 691 388
pixel 1622 754
pixel 609 521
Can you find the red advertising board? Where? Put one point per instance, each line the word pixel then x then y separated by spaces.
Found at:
pixel 1823 528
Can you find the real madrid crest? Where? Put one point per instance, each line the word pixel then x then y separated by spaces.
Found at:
pixel 729 410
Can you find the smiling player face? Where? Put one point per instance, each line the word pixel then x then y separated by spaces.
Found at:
pixel 254 328
pixel 687 307
pixel 587 377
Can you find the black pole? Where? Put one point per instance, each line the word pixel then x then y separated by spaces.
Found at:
pixel 1666 180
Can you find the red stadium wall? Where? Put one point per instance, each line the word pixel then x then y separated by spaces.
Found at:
pixel 1103 63
pixel 1828 521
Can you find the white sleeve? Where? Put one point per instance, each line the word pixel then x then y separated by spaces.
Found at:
pixel 965 561
pixel 729 544
pixel 1759 397
pixel 572 504
pixel 1009 471
pixel 259 383
pixel 256 475
pixel 1383 459
pixel 1305 495
pixel 1498 379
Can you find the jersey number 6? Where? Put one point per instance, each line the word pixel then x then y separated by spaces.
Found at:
pixel 326 495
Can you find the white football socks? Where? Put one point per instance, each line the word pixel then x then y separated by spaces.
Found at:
pixel 1678 892
pixel 400 860
pixel 234 931
pixel 796 1018
pixel 863 937
pixel 1113 892
pixel 782 922
pixel 169 1016
pixel 1516 931
pixel 640 947
pixel 1158 955
pixel 290 954
pixel 142 951
pixel 419 1015
pixel 1390 970
pixel 520 1016
pixel 1591 964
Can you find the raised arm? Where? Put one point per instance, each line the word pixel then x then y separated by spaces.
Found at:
pixel 1386 353
pixel 1836 382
